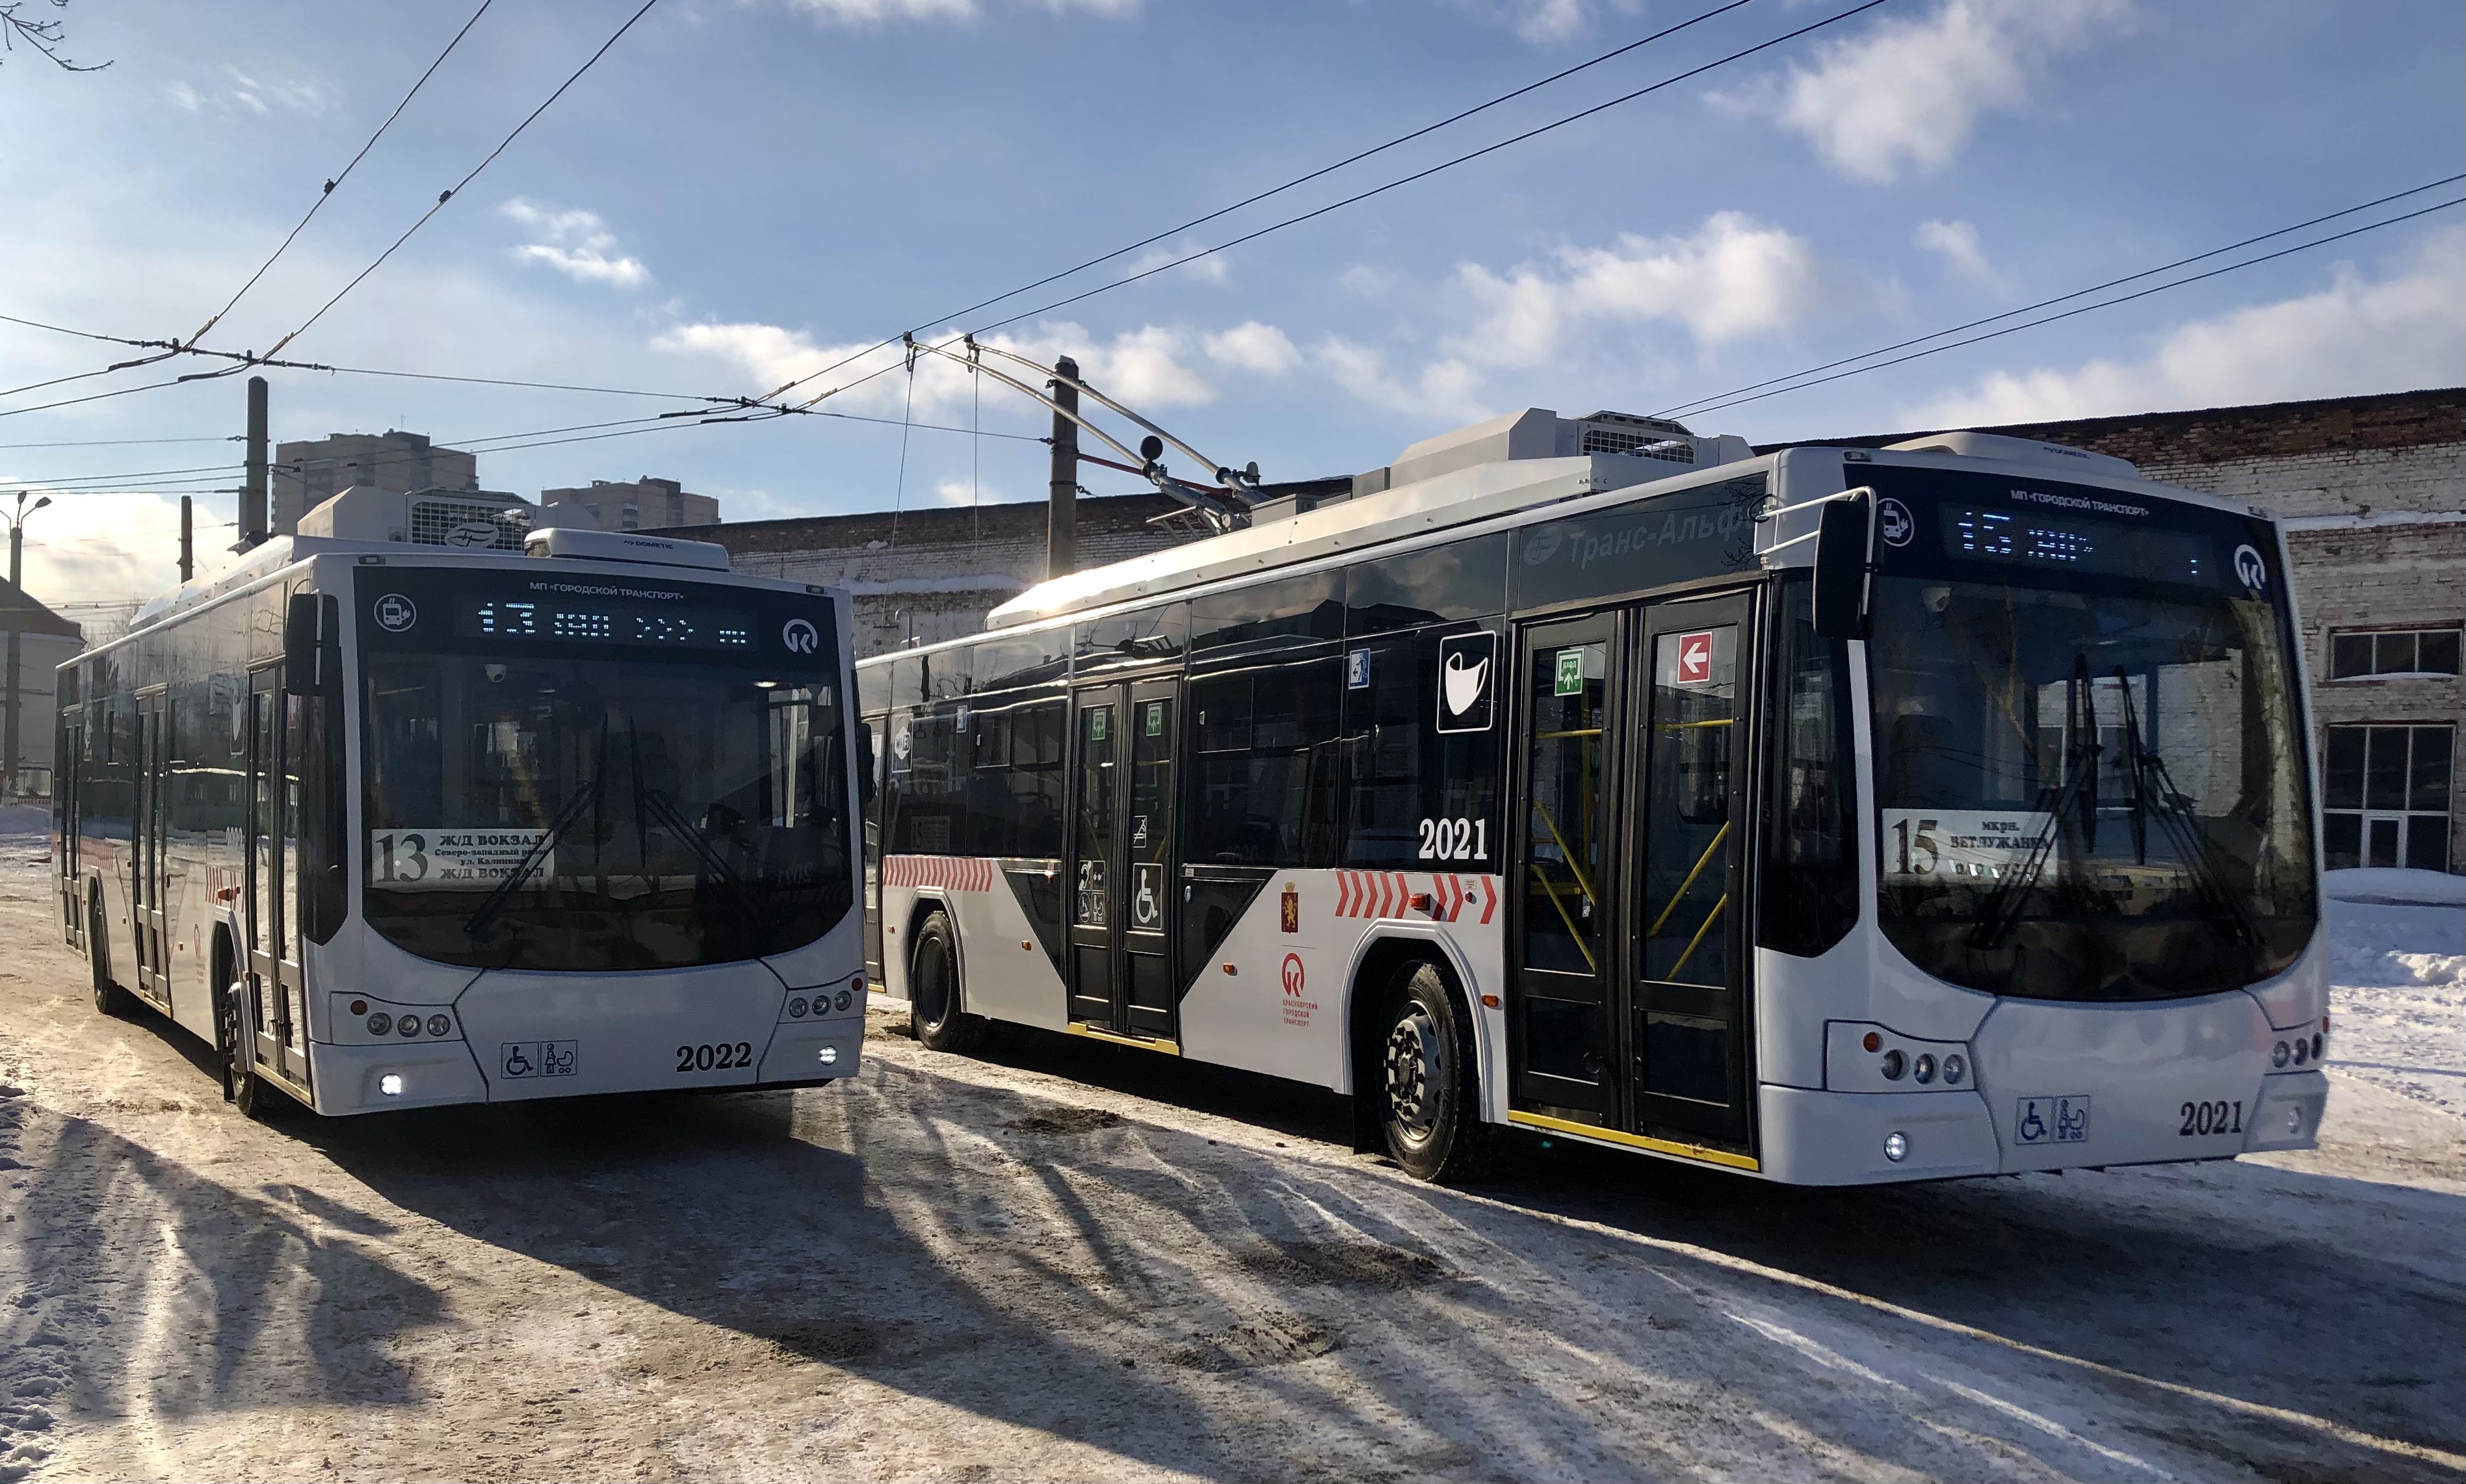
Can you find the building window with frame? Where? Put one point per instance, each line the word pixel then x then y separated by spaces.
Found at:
pixel 2373 653
pixel 2387 800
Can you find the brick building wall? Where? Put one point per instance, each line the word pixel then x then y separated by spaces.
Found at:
pixel 934 573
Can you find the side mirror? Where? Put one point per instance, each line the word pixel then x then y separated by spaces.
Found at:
pixel 312 645
pixel 1844 560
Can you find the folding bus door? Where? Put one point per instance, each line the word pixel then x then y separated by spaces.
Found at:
pixel 1689 678
pixel 148 835
pixel 274 980
pixel 1120 869
pixel 1565 948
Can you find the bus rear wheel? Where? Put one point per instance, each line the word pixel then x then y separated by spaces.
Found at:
pixel 1430 1103
pixel 933 1000
pixel 109 999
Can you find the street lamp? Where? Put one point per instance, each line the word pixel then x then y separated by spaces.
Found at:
pixel 16 617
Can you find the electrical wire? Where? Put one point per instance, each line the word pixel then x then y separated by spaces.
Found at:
pixel 1357 197
pixel 116 443
pixel 2105 303
pixel 327 193
pixel 1274 190
pixel 1685 409
pixel 456 189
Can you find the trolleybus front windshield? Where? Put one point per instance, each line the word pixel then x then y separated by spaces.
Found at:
pixel 593 775
pixel 2090 775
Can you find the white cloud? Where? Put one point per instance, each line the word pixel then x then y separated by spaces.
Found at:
pixel 96 547
pixel 1366 281
pixel 1144 368
pixel 1957 243
pixel 1253 347
pixel 1551 20
pixel 576 243
pixel 253 95
pixel 961 492
pixel 1906 93
pixel 1731 280
pixel 1445 389
pixel 1210 269
pixel 2404 331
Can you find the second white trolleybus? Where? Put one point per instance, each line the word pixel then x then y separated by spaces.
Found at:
pixel 394 824
pixel 1834 815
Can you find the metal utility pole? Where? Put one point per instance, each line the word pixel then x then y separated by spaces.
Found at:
pixel 188 543
pixel 252 497
pixel 1062 517
pixel 15 617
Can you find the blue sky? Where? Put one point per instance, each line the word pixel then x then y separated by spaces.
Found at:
pixel 740 193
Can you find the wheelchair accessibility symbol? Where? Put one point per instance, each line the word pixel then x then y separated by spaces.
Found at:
pixel 2053 1120
pixel 538 1058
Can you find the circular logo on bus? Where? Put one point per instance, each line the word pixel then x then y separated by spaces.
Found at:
pixel 395 612
pixel 2250 569
pixel 1894 518
pixel 800 637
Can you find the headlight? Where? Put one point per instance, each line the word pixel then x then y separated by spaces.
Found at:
pixel 1897 1147
pixel 381 1023
pixel 796 1009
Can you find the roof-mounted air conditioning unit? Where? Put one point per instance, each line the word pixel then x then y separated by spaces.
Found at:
pixel 625 546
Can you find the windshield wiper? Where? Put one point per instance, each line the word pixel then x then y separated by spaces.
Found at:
pixel 584 795
pixel 2001 912
pixel 2154 793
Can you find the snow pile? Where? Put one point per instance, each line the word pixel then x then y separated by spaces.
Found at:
pixel 25 820
pixel 2396 887
pixel 2397 975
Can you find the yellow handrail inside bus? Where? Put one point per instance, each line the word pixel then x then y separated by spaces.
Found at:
pixel 1550 890
pixel 1680 895
pixel 1692 943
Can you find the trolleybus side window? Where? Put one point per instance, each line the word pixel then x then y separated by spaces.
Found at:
pixel 1139 637
pixel 1810 876
pixel 1287 611
pixel 1418 792
pixel 1013 785
pixel 1462 579
pixel 1262 792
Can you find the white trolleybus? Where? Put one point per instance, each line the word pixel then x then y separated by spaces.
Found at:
pixel 396 825
pixel 1833 815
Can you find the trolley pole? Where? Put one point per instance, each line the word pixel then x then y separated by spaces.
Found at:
pixel 1062 516
pixel 251 499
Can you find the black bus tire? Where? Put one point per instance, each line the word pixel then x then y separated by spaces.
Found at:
pixel 242 1088
pixel 109 999
pixel 1428 1092
pixel 933 993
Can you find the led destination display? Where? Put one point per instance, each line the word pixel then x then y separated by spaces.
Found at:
pixel 2073 543
pixel 604 623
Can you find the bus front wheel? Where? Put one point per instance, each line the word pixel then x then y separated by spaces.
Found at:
pixel 1430 1103
pixel 242 1088
pixel 109 999
pixel 933 1002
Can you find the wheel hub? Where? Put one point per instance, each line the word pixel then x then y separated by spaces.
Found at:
pixel 1413 1073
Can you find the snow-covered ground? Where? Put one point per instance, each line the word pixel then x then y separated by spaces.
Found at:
pixel 1068 1260
pixel 2398 1010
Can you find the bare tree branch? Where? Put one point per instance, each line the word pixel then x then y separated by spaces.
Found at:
pixel 42 35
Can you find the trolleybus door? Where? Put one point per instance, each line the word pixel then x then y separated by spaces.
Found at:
pixel 875 732
pixel 1689 673
pixel 1118 876
pixel 1561 894
pixel 275 983
pixel 146 838
pixel 68 774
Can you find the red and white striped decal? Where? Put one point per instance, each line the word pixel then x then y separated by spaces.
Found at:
pixel 949 873
pixel 1390 894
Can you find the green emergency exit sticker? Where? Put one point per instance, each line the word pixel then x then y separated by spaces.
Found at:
pixel 1156 718
pixel 1570 681
pixel 1096 720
